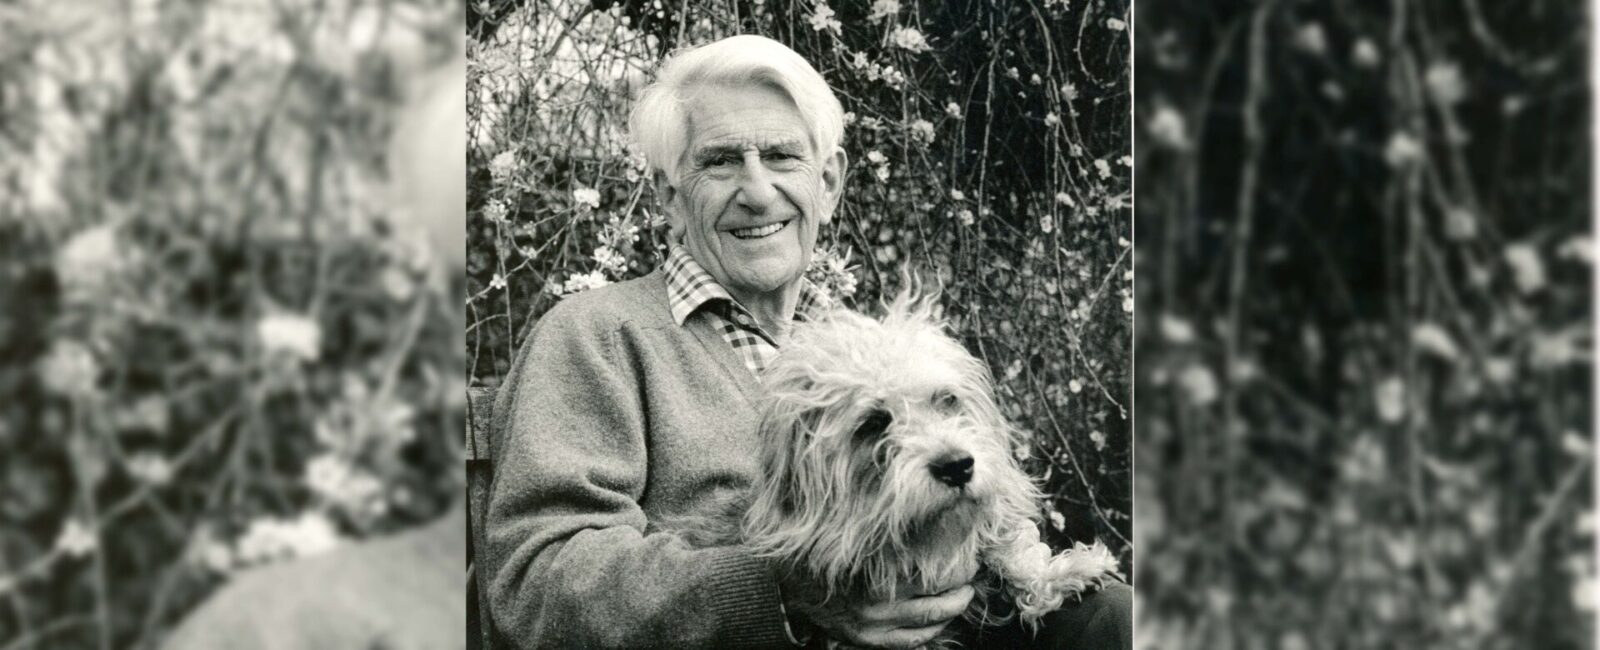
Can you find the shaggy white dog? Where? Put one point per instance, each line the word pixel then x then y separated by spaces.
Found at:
pixel 887 463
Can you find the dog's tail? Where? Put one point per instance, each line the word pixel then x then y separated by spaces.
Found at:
pixel 1040 582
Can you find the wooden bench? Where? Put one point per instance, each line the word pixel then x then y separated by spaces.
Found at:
pixel 480 475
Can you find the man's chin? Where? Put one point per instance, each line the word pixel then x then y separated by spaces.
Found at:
pixel 763 280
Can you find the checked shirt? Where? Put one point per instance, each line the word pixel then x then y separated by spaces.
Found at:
pixel 691 290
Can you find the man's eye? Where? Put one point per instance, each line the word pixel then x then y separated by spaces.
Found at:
pixel 721 161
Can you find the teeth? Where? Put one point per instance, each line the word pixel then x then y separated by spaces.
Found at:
pixel 749 233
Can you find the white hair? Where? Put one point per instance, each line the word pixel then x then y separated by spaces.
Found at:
pixel 659 124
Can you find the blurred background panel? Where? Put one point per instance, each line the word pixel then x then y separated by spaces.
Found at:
pixel 989 149
pixel 230 332
pixel 1365 325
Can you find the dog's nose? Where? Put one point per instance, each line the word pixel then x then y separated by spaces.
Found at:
pixel 953 470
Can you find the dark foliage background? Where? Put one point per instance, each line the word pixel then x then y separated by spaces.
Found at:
pixel 989 147
pixel 1365 344
pixel 216 352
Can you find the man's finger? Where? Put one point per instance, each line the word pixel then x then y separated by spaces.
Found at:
pixel 947 605
pixel 902 638
pixel 919 611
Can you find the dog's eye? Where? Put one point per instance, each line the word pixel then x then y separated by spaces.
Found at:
pixel 876 422
pixel 946 401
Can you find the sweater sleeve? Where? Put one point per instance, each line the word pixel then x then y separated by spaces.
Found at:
pixel 570 565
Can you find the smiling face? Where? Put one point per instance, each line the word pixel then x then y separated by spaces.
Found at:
pixel 751 190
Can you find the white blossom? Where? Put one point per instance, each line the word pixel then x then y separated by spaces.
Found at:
pixel 908 38
pixel 270 539
pixel 822 19
pixel 76 539
pixel 1445 83
pixel 883 9
pixel 1585 593
pixel 209 552
pixel 609 259
pixel 69 369
pixel 495 212
pixel 1579 248
pixel 1311 39
pixel 584 282
pixel 1390 397
pixel 89 260
pixel 1176 330
pixel 1402 150
pixel 503 165
pixel 1433 339
pixel 1199 383
pixel 1499 370
pixel 1365 53
pixel 1526 267
pixel 1058 520
pixel 587 196
pixel 150 467
pixel 1460 224
pixel 292 335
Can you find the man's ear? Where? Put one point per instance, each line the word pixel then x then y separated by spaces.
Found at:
pixel 833 174
pixel 667 194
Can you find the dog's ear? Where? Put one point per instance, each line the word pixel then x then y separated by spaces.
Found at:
pixel 785 431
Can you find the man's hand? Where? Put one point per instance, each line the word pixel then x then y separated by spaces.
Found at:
pixel 910 622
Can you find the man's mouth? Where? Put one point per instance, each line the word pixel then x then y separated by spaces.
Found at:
pixel 759 231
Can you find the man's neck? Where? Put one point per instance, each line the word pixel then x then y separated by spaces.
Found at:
pixel 773 310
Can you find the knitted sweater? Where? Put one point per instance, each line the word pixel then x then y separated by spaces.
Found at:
pixel 612 416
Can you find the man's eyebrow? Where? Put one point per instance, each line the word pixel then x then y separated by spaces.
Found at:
pixel 713 150
pixel 717 150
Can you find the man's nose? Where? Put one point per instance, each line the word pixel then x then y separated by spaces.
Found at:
pixel 756 191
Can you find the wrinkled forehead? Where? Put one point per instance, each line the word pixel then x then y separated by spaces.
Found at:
pixel 766 114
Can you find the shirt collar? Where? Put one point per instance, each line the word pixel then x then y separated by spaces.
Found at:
pixel 690 287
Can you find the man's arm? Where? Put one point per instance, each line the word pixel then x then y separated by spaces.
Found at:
pixel 568 560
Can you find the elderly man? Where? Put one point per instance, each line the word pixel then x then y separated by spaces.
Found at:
pixel 637 401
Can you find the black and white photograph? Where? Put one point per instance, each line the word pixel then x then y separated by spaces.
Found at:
pixel 800 324
pixel 910 324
